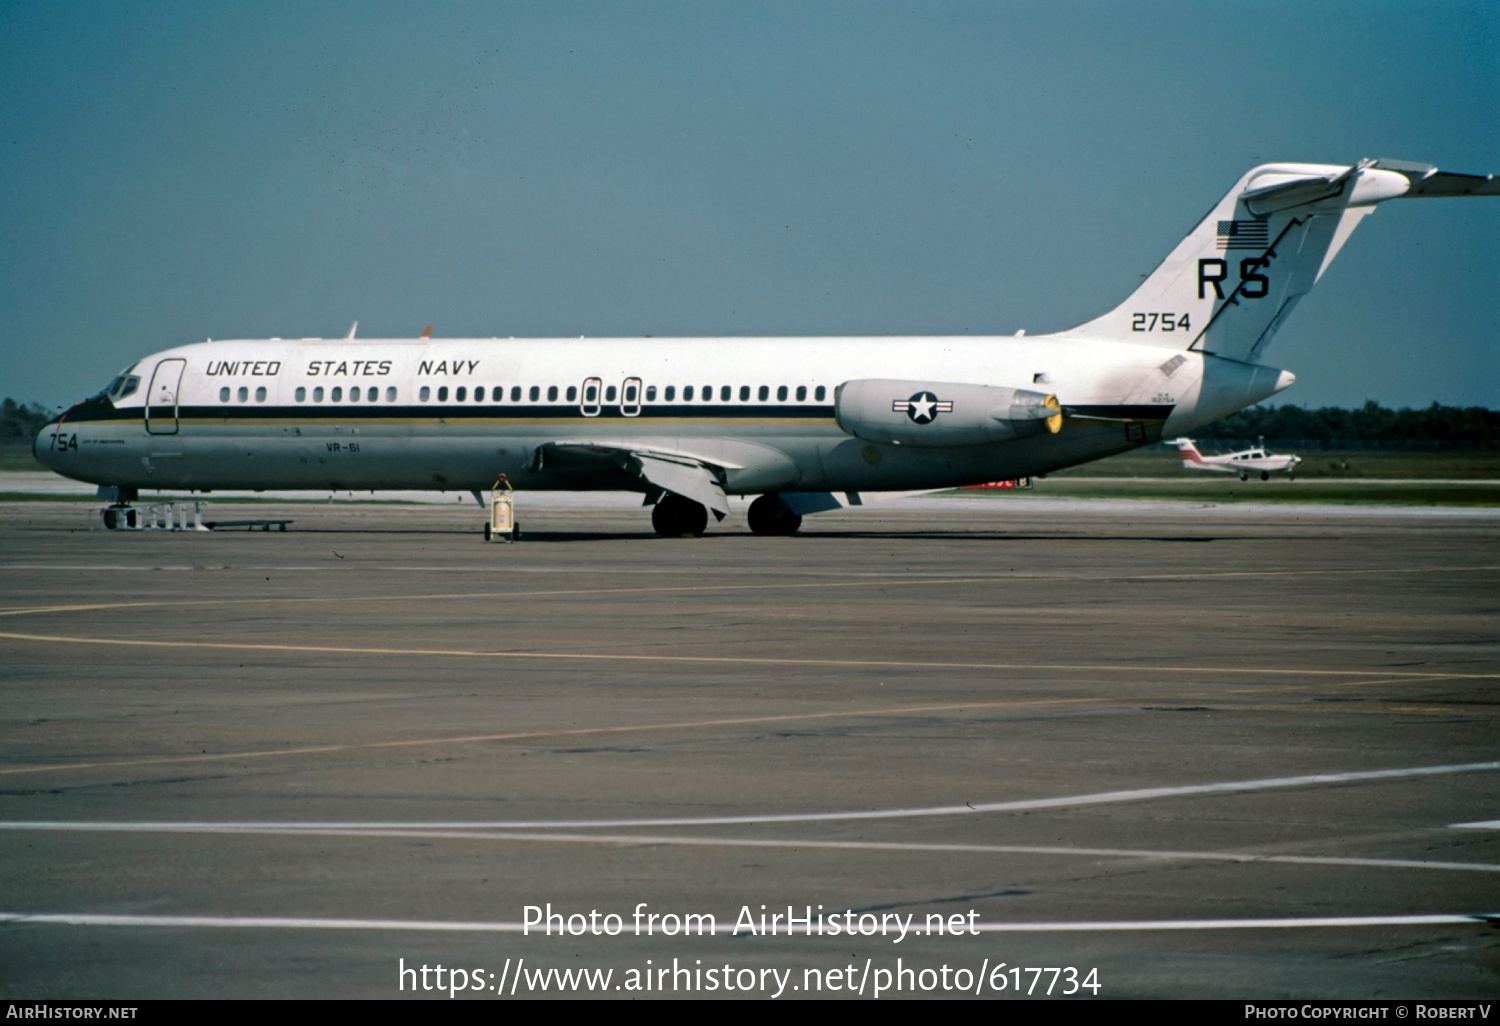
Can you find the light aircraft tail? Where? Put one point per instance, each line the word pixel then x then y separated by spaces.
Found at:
pixel 1189 452
pixel 1231 283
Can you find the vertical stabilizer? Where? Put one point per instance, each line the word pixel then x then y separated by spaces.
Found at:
pixel 1189 452
pixel 1228 286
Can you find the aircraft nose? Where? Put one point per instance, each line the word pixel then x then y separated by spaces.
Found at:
pixel 40 445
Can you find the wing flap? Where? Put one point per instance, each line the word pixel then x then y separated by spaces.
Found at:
pixel 689 480
pixel 660 471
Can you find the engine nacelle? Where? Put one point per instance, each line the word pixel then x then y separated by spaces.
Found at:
pixel 932 413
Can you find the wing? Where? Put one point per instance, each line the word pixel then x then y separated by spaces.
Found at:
pixel 696 469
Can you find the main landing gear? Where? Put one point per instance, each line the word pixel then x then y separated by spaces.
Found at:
pixel 673 516
pixel 770 515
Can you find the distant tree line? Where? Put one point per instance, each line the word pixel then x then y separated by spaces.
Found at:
pixel 20 423
pixel 1371 426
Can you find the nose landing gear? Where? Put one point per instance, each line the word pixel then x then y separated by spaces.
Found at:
pixel 119 515
pixel 120 518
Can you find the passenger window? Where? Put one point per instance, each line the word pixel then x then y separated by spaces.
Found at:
pixel 390 394
pixel 224 394
pixel 301 394
pixel 373 394
pixel 515 393
pixel 764 393
pixel 535 393
pixel 318 394
pixel 572 393
pixel 260 394
pixel 336 395
pixel 671 393
pixel 781 394
pixel 609 394
pixel 687 393
pixel 801 393
pixel 244 394
pixel 630 393
pixel 591 393
pixel 354 394
pixel 650 393
pixel 724 393
pixel 461 394
pixel 818 395
pixel 423 395
pixel 552 393
pixel 744 393
pixel 479 394
pixel 443 394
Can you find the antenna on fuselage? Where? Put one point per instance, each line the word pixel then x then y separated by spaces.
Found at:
pixel 427 331
pixel 352 329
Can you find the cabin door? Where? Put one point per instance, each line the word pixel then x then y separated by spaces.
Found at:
pixel 630 398
pixel 161 397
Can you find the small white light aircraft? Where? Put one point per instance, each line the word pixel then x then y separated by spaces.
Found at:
pixel 1244 463
pixel 687 422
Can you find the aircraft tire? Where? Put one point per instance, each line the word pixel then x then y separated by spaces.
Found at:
pixel 1265 475
pixel 673 516
pixel 1244 477
pixel 769 515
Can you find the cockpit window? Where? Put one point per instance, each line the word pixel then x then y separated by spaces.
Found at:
pixel 122 386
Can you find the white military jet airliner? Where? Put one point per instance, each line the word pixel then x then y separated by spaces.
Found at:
pixel 687 422
pixel 1244 463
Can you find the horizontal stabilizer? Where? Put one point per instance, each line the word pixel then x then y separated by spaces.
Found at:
pixel 1427 180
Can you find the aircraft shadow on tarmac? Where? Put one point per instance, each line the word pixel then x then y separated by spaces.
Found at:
pixel 922 534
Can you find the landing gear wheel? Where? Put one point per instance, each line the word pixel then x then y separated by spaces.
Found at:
pixel 673 516
pixel 770 515
pixel 1244 477
pixel 119 518
pixel 1265 475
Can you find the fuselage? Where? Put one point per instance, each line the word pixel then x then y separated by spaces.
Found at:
pixel 454 414
pixel 1257 460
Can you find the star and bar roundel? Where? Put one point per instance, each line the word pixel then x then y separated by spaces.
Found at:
pixel 922 408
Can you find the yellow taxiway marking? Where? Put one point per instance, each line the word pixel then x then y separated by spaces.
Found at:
pixel 874 582
pixel 628 657
pixel 848 714
pixel 526 735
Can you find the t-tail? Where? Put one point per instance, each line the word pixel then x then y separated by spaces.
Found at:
pixel 1228 286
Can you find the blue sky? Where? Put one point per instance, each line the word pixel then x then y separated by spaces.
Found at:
pixel 179 171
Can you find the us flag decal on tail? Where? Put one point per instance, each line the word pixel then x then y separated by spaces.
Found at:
pixel 1244 235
